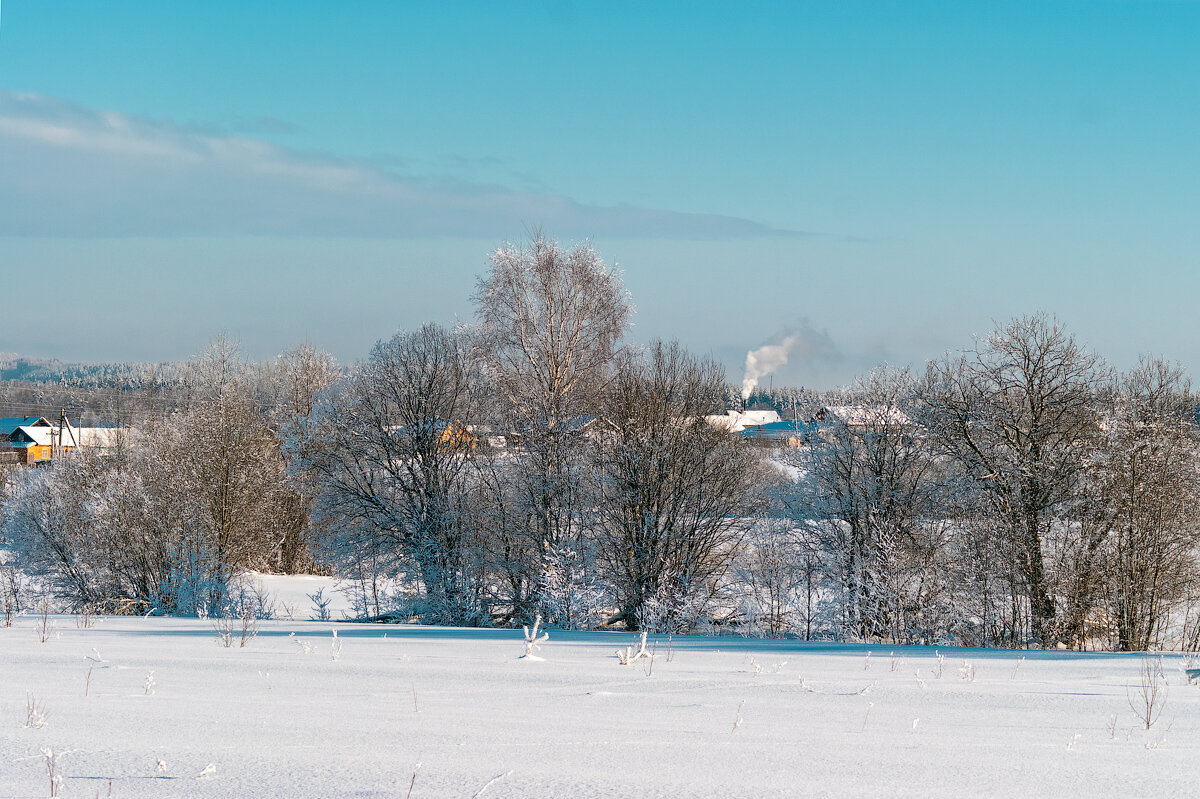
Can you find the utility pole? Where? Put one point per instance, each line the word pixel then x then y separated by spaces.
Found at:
pixel 63 424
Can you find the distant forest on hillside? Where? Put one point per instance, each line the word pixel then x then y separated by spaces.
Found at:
pixel 124 392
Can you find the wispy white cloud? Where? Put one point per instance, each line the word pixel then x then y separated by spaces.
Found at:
pixel 76 171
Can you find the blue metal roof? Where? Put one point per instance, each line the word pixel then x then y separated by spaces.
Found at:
pixel 9 425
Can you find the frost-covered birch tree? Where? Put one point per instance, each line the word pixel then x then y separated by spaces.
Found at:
pixel 552 321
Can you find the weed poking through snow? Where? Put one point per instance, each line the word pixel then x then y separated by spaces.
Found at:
pixel 629 655
pixel 533 640
pixel 413 781
pixel 490 783
pixel 35 713
pixel 51 758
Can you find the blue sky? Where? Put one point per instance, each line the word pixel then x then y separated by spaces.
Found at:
pixel 886 178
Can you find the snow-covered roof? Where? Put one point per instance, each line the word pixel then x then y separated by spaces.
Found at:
pixel 737 421
pixel 96 436
pixel 41 436
pixel 864 415
pixel 45 436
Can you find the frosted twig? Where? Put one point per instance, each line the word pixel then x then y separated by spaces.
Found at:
pixel 52 769
pixel 490 783
pixel 413 781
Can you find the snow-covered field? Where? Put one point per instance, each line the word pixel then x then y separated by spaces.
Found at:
pixel 459 708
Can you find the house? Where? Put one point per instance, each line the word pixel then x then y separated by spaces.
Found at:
pixel 104 439
pixel 452 436
pixel 792 433
pixel 457 437
pixel 581 426
pixel 31 440
pixel 861 417
pixel 737 421
pixel 25 439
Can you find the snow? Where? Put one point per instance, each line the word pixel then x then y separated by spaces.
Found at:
pixel 703 717
pixel 291 595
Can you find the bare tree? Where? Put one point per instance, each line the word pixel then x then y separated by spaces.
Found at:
pixel 674 490
pixel 1017 414
pixel 779 571
pixel 120 531
pixel 392 451
pixel 1147 480
pixel 875 489
pixel 552 321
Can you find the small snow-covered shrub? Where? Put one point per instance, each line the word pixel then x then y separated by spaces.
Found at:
pixel 230 625
pixel 43 626
pixel 676 609
pixel 1148 698
pixel 321 605
pixel 35 712
pixel 569 596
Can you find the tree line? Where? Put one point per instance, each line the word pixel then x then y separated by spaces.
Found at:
pixel 535 464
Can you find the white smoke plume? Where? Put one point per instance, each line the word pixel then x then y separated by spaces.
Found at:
pixel 764 360
pixel 810 346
